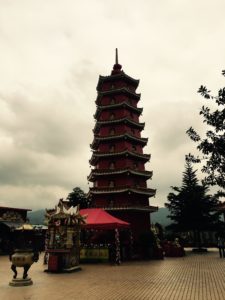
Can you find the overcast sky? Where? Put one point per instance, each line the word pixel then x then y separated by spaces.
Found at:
pixel 51 54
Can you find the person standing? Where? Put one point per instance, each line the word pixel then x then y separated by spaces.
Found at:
pixel 220 243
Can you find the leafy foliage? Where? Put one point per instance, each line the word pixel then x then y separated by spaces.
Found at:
pixel 191 208
pixel 213 145
pixel 78 197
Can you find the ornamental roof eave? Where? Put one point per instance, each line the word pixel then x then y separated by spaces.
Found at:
pixel 95 155
pixel 150 209
pixel 98 139
pixel 115 77
pixel 116 91
pixel 148 191
pixel 115 190
pixel 117 105
pixel 109 172
pixel 117 121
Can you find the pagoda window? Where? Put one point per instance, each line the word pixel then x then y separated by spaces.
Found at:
pixel 112 131
pixel 111 165
pixel 112 101
pixel 112 116
pixel 111 183
pixel 112 86
pixel 111 148
pixel 137 184
pixel 135 165
pixel 133 131
pixel 111 203
pixel 134 148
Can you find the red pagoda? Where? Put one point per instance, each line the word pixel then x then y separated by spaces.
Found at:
pixel 118 174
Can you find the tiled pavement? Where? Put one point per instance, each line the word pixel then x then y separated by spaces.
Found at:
pixel 193 277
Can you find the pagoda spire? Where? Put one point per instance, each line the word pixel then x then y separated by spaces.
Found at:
pixel 117 67
pixel 116 56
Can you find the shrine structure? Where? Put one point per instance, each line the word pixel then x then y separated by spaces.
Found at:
pixel 118 163
pixel 63 238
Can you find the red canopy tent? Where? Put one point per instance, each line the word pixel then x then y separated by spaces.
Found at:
pixel 97 218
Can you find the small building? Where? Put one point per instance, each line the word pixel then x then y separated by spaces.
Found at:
pixel 11 218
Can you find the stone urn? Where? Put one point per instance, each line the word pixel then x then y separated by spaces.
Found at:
pixel 22 258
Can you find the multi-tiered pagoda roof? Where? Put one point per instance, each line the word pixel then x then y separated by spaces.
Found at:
pixel 118 161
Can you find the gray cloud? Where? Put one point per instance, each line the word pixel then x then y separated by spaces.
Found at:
pixel 51 56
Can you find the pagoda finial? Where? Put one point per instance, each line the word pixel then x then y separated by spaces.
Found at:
pixel 116 56
pixel 117 67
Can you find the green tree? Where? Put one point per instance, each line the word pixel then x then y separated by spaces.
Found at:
pixel 77 196
pixel 213 145
pixel 191 208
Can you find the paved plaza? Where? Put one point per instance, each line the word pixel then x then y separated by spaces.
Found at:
pixel 193 277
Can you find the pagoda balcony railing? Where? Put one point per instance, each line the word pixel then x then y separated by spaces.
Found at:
pixel 126 120
pixel 96 155
pixel 116 77
pixel 122 189
pixel 123 90
pixel 118 105
pixel 149 208
pixel 98 172
pixel 125 136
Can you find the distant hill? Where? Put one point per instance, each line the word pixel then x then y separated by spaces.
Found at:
pixel 161 216
pixel 36 217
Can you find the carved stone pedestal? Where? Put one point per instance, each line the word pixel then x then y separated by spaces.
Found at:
pixel 72 269
pixel 20 282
